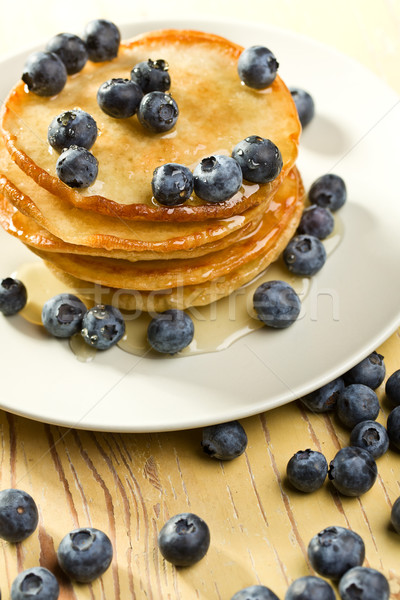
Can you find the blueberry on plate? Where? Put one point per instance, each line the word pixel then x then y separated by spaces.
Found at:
pixel 172 184
pixel 353 471
pixel 71 49
pixel 62 315
pixel 102 39
pixel 255 592
pixel 158 112
pixel 119 98
pixel 36 583
pixel 364 583
pixel 316 221
pixel 304 105
pixel 44 73
pixel 371 436
pixel 84 554
pixel 310 587
pixel 356 403
pixel 184 539
pixel 217 178
pixel 325 398
pixel 257 67
pixel 393 427
pixel 18 515
pixel 307 470
pixel 276 304
pixel 77 167
pixel 392 388
pixel 72 128
pixel 13 296
pixel 259 159
pixel 328 191
pixel 371 371
pixel 304 255
pixel 152 76
pixel 335 550
pixel 170 331
pixel 395 515
pixel 102 326
pixel 224 441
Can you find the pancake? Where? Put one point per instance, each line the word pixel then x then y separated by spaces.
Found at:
pixel 216 112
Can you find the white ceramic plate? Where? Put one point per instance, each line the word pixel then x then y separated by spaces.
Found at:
pixel 353 305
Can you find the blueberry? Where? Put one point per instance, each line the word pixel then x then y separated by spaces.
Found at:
pixel 255 592
pixel 172 184
pixel 103 326
pixel 310 587
pixel 324 399
pixel 184 539
pixel 170 331
pixel 119 98
pixel 259 159
pixel 72 128
pixel 77 167
pixel 364 583
pixel 393 427
pixel 316 221
pixel 257 67
pixel 276 304
pixel 13 296
pixel 224 441
pixel 371 371
pixel 371 436
pixel 84 554
pixel 395 515
pixel 18 515
pixel 217 178
pixel 307 470
pixel 304 255
pixel 392 388
pixel 152 76
pixel 36 583
pixel 304 105
pixel 353 471
pixel 102 40
pixel 158 112
pixel 71 49
pixel 356 403
pixel 328 191
pixel 62 315
pixel 335 550
pixel 44 73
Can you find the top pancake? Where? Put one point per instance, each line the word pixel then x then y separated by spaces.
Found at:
pixel 216 112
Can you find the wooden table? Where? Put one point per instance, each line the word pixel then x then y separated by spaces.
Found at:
pixel 129 484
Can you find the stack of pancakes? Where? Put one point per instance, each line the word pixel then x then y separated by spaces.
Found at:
pixel 114 234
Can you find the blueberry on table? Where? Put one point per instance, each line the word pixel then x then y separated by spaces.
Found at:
pixel 259 159
pixel 325 398
pixel 71 49
pixel 310 587
pixel 392 388
pixel 255 592
pixel 335 550
pixel 172 184
pixel 77 167
pixel 13 296
pixel 353 471
pixel 276 304
pixel 102 326
pixel 316 221
pixel 395 515
pixel 102 39
pixel 184 539
pixel 44 73
pixel 119 98
pixel 72 128
pixel 85 554
pixel 224 441
pixel 170 331
pixel 364 583
pixel 257 67
pixel 307 470
pixel 304 255
pixel 152 76
pixel 356 403
pixel 62 315
pixel 371 371
pixel 158 112
pixel 18 515
pixel 393 427
pixel 371 436
pixel 36 583
pixel 217 178
pixel 304 105
pixel 328 191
